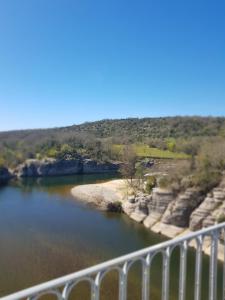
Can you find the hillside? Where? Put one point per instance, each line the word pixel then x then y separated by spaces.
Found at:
pixel 164 127
pixel 96 138
pixel 155 127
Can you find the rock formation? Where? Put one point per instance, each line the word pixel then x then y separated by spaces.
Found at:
pixel 179 210
pixel 55 167
pixel 90 166
pixel 209 210
pixel 5 175
pixel 137 208
pixel 162 211
pixel 170 214
pixel 161 198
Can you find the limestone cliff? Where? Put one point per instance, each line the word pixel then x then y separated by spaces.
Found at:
pixel 179 210
pixel 162 211
pixel 161 198
pixel 210 210
pixel 165 212
pixel 56 167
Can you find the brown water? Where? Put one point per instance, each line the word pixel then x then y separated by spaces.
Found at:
pixel 45 234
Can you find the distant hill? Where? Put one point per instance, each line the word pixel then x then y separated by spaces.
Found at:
pixel 164 127
pixel 26 143
pixel 155 127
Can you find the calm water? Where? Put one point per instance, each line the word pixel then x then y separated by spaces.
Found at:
pixel 45 233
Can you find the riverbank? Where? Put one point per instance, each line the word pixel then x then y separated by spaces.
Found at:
pixel 150 210
pixel 101 195
pixel 50 167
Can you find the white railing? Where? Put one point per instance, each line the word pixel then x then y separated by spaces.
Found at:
pixel 63 286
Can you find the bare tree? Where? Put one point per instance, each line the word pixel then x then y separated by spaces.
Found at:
pixel 128 168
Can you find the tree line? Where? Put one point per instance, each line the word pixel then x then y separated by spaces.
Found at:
pixel 96 139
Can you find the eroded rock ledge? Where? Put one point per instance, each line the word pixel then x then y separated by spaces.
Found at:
pixel 162 211
pixel 56 167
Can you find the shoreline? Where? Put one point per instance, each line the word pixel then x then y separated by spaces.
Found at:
pixel 101 195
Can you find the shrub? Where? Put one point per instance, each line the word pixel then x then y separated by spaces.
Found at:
pixel 171 145
pixel 212 155
pixel 52 152
pixel 150 184
pixel 114 206
pixel 164 182
pixel 221 218
pixel 206 180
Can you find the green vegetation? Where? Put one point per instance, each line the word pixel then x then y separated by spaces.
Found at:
pixel 171 137
pixel 142 150
pixel 165 182
pixel 150 184
pixel 129 167
pixel 200 141
pixel 205 169
pixel 221 218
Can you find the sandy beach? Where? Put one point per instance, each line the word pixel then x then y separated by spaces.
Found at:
pixel 101 194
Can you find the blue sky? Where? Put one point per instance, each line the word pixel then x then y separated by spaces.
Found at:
pixel 64 62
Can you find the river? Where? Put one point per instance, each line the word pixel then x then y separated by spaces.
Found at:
pixel 45 233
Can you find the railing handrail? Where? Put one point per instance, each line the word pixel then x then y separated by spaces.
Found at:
pixel 55 283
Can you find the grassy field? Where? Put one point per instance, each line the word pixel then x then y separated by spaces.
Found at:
pixel 146 151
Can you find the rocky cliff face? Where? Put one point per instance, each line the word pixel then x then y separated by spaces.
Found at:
pixel 137 208
pixel 165 212
pixel 210 210
pixel 161 198
pixel 92 166
pixel 54 167
pixel 48 167
pixel 179 210
pixel 148 208
pixel 5 175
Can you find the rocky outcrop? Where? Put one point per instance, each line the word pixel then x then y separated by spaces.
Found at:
pixel 129 205
pixel 162 211
pixel 210 209
pixel 54 167
pixel 48 167
pixel 171 215
pixel 170 231
pixel 161 198
pixel 179 210
pixel 137 207
pixel 5 175
pixel 148 208
pixel 92 166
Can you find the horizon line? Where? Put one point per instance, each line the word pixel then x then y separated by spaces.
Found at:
pixel 113 119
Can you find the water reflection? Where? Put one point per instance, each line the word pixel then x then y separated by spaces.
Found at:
pixel 59 183
pixel 45 233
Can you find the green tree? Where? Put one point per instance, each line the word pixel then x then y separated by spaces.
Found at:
pixel 150 184
pixel 171 145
